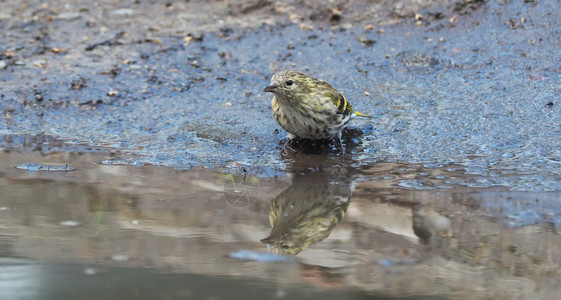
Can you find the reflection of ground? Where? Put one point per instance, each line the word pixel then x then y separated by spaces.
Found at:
pixel 239 192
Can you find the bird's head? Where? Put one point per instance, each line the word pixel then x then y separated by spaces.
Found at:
pixel 287 84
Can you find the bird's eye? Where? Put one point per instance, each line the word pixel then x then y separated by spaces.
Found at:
pixel 289 82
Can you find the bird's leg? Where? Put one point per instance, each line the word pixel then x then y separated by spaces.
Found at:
pixel 287 149
pixel 342 150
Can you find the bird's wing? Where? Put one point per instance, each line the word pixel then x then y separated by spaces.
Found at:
pixel 343 106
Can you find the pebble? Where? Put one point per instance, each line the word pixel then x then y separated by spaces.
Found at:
pixel 67 16
pixel 3 64
pixel 124 12
pixel 40 63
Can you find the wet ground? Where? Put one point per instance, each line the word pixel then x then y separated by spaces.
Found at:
pixel 140 157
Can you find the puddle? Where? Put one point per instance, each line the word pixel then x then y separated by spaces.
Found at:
pixel 354 232
pixel 22 279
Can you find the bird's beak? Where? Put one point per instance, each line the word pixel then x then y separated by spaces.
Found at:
pixel 271 89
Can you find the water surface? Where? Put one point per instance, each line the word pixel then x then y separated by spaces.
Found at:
pixel 151 231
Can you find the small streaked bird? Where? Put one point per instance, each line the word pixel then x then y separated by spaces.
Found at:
pixel 308 108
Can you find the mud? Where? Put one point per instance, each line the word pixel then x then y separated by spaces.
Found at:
pixel 470 83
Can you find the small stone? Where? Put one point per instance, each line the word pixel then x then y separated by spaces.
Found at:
pixel 40 63
pixel 366 93
pixel 306 27
pixel 441 39
pixel 418 17
pixel 123 12
pixel 112 93
pixel 67 16
pixel 293 17
pixel 369 27
pixel 453 19
pixel 3 64
pixel 367 42
pixel 19 63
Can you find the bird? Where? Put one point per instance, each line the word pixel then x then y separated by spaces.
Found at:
pixel 308 108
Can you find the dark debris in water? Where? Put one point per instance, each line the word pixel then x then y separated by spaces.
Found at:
pixel 35 167
pixel 123 162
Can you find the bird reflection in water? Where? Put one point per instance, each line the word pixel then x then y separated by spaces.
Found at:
pixel 308 210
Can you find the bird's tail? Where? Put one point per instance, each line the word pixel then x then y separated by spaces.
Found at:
pixel 359 114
